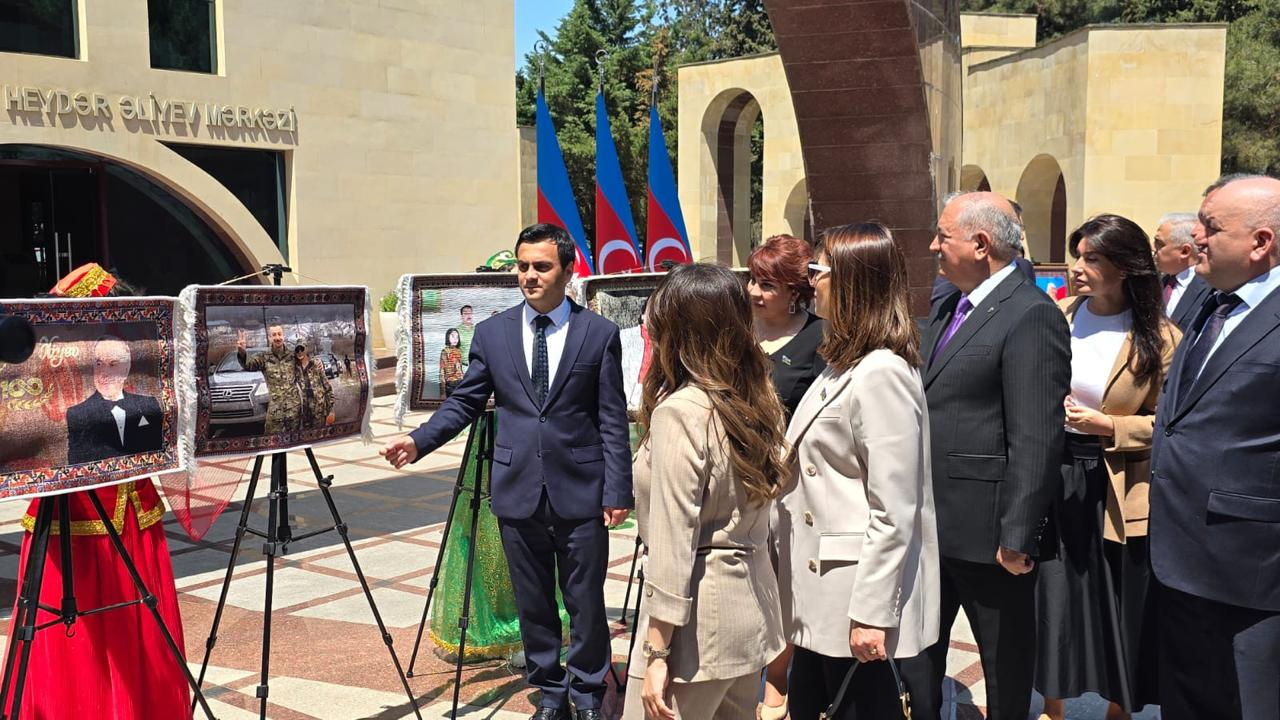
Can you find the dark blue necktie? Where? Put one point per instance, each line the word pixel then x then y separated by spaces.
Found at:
pixel 1199 352
pixel 540 362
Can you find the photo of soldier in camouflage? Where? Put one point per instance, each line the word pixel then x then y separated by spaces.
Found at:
pixel 279 369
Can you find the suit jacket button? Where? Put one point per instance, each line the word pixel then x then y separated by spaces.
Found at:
pixel 813 566
pixel 648 592
pixel 542 419
pixel 1168 433
pixel 810 470
pixel 808 518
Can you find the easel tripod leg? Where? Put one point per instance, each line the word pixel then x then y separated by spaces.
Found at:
pixel 444 543
pixel 484 468
pixel 149 601
pixel 325 482
pixel 28 603
pixel 279 472
pixel 231 566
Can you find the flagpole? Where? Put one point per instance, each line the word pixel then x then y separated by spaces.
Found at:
pixel 540 47
pixel 601 56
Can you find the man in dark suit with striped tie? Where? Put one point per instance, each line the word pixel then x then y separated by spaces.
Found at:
pixel 997 374
pixel 561 464
pixel 1176 256
pixel 1215 472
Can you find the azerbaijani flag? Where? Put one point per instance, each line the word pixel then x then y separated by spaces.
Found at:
pixel 617 250
pixel 555 195
pixel 665 235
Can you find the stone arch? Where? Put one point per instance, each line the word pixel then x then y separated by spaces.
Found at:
pixel 974 179
pixel 726 131
pixel 1042 192
pixel 796 212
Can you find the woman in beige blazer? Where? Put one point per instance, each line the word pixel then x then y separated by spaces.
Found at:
pixel 855 532
pixel 1091 594
pixel 704 477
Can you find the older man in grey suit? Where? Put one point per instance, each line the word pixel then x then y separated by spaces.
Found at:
pixel 998 368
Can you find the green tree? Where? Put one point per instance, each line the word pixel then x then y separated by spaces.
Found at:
pixel 623 29
pixel 1251 96
pixel 646 40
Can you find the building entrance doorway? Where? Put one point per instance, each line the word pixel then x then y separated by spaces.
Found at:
pixel 60 210
pixel 50 222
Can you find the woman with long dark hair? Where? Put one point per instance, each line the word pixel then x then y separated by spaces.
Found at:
pixel 1091 595
pixel 855 533
pixel 708 467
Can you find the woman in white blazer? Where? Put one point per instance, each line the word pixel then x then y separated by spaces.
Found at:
pixel 855 533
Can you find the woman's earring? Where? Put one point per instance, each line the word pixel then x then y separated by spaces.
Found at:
pixel 791 309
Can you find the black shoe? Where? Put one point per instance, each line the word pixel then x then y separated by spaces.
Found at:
pixel 546 713
pixel 591 714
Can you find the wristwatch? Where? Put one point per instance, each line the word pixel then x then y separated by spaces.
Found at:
pixel 652 653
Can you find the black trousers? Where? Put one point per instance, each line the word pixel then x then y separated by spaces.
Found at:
pixel 1001 610
pixel 537 547
pixel 1217 661
pixel 815 679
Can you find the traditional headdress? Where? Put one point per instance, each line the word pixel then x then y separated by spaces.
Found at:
pixel 88 280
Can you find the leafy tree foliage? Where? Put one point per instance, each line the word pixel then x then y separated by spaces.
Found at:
pixel 1251 98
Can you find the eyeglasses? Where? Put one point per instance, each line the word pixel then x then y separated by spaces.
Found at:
pixel 816 269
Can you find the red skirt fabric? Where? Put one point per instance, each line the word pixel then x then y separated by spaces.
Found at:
pixel 116 665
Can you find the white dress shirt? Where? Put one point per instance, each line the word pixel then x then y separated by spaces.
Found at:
pixel 986 287
pixel 118 413
pixel 555 332
pixel 1181 281
pixel 1251 293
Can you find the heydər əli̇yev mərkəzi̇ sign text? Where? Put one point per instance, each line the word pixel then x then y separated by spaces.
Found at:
pixel 53 101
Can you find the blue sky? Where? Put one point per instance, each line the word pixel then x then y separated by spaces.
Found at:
pixel 535 15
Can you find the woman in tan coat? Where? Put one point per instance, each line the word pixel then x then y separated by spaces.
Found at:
pixel 704 477
pixel 856 537
pixel 1091 595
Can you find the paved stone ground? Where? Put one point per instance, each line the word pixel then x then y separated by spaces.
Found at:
pixel 327 660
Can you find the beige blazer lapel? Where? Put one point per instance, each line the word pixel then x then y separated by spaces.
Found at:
pixel 816 399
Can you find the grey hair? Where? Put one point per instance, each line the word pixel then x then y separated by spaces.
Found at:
pixel 1004 229
pixel 1183 223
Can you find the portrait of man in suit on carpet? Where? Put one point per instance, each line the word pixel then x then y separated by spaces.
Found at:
pixel 112 422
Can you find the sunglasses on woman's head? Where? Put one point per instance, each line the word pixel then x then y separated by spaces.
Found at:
pixel 816 269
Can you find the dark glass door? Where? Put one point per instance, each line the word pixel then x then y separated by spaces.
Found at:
pixel 52 228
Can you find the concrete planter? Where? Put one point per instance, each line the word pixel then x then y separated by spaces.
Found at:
pixel 389 323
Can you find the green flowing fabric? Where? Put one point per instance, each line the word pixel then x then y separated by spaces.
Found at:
pixel 494 628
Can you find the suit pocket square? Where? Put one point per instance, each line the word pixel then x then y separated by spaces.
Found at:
pixel 142 422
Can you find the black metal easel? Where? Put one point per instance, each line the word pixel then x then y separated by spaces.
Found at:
pixel 278 536
pixel 483 431
pixel 29 600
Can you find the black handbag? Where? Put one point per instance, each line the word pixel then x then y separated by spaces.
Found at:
pixel 903 696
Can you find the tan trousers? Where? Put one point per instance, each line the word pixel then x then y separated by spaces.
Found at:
pixel 733 699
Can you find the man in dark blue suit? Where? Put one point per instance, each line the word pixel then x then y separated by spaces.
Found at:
pixel 561 465
pixel 1215 472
